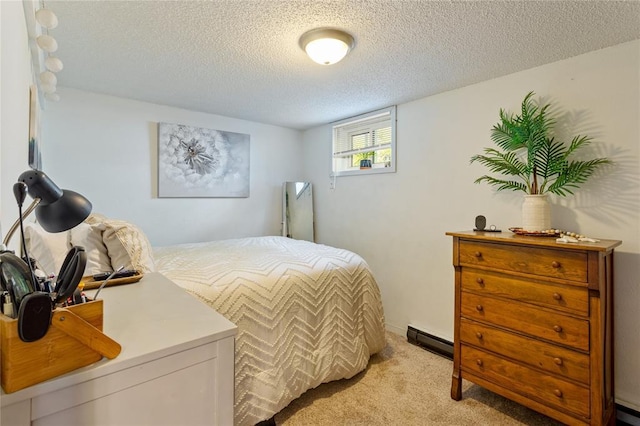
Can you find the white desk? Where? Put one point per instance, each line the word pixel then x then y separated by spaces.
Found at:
pixel 176 366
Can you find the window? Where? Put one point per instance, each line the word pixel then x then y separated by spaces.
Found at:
pixel 365 144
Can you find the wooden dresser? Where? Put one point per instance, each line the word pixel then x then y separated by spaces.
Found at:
pixel 534 323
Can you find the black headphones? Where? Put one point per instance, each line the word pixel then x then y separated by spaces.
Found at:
pixel 70 273
pixel 35 308
pixel 15 277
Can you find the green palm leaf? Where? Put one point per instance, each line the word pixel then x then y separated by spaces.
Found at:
pixel 503 184
pixel 547 167
pixel 574 174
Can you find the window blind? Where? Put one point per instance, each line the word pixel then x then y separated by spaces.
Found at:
pixel 365 135
pixel 360 137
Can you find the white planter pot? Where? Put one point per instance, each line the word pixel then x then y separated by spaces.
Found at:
pixel 536 213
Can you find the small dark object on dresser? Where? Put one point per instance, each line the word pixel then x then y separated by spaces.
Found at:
pixel 121 274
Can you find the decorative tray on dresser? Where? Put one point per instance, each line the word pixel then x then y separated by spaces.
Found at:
pixel 534 323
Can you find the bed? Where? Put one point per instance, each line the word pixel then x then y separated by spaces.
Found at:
pixel 306 313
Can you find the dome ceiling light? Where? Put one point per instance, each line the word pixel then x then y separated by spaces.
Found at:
pixel 326 46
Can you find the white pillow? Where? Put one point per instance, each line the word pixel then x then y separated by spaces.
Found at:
pixel 127 246
pixel 95 218
pixel 90 237
pixel 48 249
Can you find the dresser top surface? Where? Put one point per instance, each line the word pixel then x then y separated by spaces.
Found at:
pixel 151 319
pixel 550 242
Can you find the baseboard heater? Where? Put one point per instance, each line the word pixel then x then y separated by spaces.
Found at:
pixel 627 416
pixel 430 342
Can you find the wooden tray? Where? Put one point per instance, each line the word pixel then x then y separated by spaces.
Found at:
pixel 90 283
pixel 520 231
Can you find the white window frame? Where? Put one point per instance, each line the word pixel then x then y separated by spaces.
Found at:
pixel 356 125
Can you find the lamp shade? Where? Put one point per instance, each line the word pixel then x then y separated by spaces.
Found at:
pixel 47 43
pixel 58 210
pixel 53 97
pixel 47 77
pixel 48 88
pixel 53 64
pixel 47 18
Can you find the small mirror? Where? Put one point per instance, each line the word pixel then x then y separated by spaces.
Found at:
pixel 297 211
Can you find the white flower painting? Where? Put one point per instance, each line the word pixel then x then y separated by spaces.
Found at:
pixel 198 162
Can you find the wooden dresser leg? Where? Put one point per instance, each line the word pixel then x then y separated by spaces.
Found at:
pixel 456 386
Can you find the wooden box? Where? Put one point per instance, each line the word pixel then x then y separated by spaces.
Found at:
pixel 74 340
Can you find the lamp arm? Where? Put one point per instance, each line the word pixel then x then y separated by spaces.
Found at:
pixel 15 226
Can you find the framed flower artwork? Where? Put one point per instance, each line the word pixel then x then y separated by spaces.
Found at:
pixel 199 162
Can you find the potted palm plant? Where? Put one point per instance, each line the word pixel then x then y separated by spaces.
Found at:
pixel 533 161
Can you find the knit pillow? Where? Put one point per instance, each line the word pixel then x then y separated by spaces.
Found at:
pixel 127 246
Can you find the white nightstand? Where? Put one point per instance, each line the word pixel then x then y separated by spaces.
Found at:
pixel 176 366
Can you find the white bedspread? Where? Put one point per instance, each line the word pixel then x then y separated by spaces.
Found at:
pixel 306 313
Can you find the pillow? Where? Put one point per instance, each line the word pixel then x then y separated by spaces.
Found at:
pixel 95 218
pixel 47 248
pixel 127 246
pixel 90 237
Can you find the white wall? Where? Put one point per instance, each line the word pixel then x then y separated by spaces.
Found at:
pixel 15 78
pixel 106 148
pixel 397 222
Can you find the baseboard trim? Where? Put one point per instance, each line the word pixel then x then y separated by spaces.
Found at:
pixel 627 415
pixel 430 342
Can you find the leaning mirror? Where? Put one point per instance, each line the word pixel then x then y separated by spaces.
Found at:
pixel 297 210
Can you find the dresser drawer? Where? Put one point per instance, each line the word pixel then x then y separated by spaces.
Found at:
pixel 525 381
pixel 554 359
pixel 568 265
pixel 561 297
pixel 527 319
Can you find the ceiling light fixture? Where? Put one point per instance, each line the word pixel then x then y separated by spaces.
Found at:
pixel 326 46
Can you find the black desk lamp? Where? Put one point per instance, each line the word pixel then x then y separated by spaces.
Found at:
pixel 56 209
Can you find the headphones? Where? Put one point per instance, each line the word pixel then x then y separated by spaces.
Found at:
pixel 15 277
pixel 35 308
pixel 70 273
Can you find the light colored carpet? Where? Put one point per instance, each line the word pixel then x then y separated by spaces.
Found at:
pixel 404 385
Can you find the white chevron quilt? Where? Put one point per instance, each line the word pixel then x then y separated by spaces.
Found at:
pixel 306 313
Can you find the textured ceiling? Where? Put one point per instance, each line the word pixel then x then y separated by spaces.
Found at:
pixel 240 58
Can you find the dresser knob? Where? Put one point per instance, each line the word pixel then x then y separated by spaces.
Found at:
pixel 480 281
pixel 479 362
pixel 478 254
pixel 558 361
pixel 479 335
pixel 557 329
pixel 558 393
pixel 557 296
pixel 479 308
pixel 555 264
